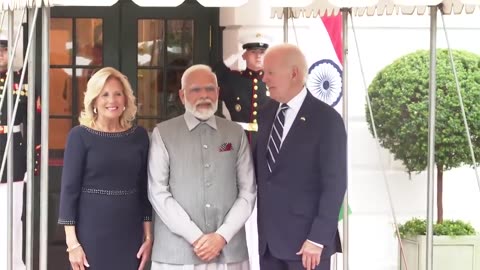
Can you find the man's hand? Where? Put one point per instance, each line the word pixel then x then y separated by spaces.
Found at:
pixel 209 246
pixel 310 255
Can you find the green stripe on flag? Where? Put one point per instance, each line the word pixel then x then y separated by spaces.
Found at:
pixel 340 216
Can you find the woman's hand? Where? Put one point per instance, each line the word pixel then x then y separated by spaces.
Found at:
pixel 144 252
pixel 77 258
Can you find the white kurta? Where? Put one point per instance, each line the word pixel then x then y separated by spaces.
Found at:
pixel 252 240
pixel 211 266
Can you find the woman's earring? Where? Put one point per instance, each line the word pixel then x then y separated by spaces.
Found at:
pixel 95 110
pixel 124 108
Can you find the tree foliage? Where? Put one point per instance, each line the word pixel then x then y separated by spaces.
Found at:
pixel 399 98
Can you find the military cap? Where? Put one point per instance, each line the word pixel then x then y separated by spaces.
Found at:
pixel 3 40
pixel 255 41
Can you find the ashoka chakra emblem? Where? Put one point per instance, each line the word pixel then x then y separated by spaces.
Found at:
pixel 325 81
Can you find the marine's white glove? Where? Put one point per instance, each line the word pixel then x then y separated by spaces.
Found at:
pixel 234 58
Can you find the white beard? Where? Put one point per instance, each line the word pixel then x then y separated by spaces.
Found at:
pixel 203 114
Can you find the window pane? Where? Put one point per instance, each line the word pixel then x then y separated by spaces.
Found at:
pixel 60 41
pixel 83 75
pixel 150 42
pixel 174 104
pixel 180 42
pixel 58 138
pixel 89 38
pixel 150 89
pixel 60 91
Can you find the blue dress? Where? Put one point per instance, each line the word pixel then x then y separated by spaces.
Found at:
pixel 104 194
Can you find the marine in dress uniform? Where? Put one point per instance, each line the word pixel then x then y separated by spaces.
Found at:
pixel 243 92
pixel 18 144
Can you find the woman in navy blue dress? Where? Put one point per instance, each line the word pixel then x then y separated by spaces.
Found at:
pixel 103 201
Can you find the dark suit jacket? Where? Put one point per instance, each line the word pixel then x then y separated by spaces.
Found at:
pixel 302 196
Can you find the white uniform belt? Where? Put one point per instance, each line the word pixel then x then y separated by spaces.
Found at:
pixel 248 126
pixel 4 129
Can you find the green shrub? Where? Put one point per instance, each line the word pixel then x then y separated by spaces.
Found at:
pixel 417 226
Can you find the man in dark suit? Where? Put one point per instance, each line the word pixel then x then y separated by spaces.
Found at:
pixel 301 168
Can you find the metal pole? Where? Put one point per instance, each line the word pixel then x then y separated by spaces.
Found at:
pixel 11 52
pixel 460 99
pixel 431 137
pixel 9 93
pixel 345 246
pixel 2 19
pixel 44 141
pixel 285 24
pixel 32 18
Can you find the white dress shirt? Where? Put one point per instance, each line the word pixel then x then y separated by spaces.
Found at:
pixel 294 106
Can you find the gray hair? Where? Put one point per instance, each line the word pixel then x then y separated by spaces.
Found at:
pixel 194 68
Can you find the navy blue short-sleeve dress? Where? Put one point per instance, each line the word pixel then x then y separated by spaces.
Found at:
pixel 104 194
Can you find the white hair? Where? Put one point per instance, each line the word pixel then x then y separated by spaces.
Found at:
pixel 293 56
pixel 195 68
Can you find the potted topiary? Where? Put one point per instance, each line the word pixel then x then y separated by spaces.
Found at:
pixel 399 100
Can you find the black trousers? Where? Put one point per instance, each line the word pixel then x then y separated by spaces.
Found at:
pixel 269 262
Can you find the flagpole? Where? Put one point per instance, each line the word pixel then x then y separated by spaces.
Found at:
pixel 45 92
pixel 431 137
pixel 285 25
pixel 345 13
pixel 9 95
pixel 29 214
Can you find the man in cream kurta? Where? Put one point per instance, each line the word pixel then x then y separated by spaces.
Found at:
pixel 201 183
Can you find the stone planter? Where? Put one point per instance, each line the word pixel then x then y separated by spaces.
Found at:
pixel 449 253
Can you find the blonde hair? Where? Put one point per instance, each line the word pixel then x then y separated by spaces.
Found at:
pixel 95 86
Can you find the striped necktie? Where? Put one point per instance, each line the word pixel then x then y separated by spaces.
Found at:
pixel 275 139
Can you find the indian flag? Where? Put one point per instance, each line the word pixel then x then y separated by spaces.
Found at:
pixel 323 49
pixel 325 61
